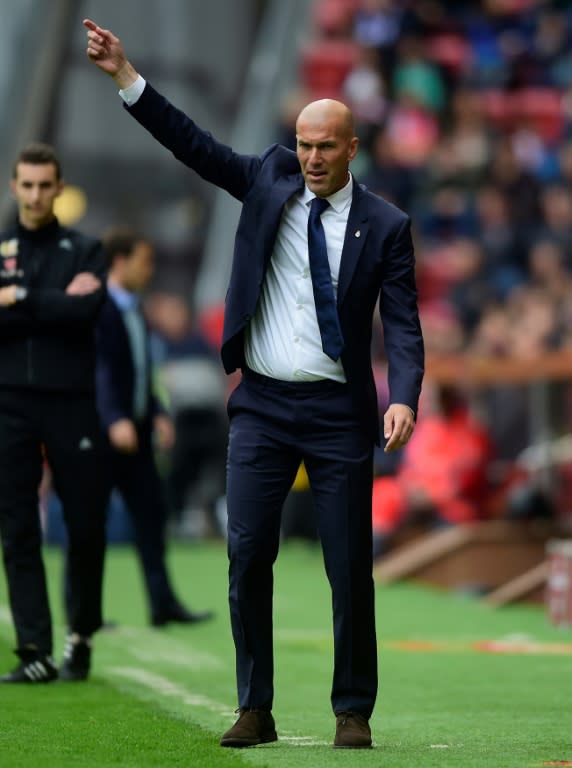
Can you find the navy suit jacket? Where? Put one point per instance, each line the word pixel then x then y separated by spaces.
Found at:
pixel 377 259
pixel 115 372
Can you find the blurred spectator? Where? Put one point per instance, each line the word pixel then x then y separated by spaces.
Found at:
pixel 505 264
pixel 412 130
pixel 556 204
pixel 443 474
pixel 520 187
pixel 442 329
pixel 386 176
pixel 533 322
pixel 194 381
pixel 416 77
pixel 364 89
pixel 377 25
pixel 470 139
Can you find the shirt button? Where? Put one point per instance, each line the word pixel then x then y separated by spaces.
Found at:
pixel 296 339
pixel 298 306
pixel 305 274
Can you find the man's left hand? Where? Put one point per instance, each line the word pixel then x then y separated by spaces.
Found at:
pixel 398 424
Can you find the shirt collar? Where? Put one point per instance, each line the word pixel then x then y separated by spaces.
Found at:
pixel 339 200
pixel 124 299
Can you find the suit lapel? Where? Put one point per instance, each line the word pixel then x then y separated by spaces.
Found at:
pixel 285 187
pixel 356 229
pixel 356 232
pixel 270 211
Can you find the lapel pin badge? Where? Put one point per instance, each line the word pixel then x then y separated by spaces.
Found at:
pixel 358 233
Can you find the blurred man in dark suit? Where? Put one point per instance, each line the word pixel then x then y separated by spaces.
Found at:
pixel 131 416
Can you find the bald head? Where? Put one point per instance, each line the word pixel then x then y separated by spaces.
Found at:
pixel 325 145
pixel 328 112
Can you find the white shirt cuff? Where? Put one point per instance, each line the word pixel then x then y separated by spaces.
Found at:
pixel 131 95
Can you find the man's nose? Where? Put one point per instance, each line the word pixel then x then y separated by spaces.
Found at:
pixel 315 157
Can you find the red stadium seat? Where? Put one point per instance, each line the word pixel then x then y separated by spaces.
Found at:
pixel 325 65
pixel 542 109
pixel 334 18
pixel 450 51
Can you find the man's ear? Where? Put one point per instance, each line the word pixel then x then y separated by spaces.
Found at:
pixel 354 146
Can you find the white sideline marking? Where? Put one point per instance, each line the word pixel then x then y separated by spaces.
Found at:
pixel 5 615
pixel 169 689
pixel 149 646
pixel 158 684
pixel 303 741
pixel 190 659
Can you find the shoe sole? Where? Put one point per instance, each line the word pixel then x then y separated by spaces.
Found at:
pixel 352 746
pixel 29 682
pixel 240 743
pixel 74 678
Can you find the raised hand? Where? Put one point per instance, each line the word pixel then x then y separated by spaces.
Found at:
pixel 106 52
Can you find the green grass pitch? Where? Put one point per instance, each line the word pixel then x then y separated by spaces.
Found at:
pixel 461 684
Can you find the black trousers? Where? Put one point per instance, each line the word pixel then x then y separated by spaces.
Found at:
pixel 137 479
pixel 65 425
pixel 273 426
pixel 199 452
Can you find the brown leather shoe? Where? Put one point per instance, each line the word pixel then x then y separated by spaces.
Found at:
pixel 352 731
pixel 254 726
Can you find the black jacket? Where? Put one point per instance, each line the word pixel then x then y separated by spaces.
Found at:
pixel 47 339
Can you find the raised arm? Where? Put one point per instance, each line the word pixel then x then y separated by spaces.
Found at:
pixel 106 52
pixel 193 146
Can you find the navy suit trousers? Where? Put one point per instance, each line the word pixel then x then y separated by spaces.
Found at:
pixel 274 426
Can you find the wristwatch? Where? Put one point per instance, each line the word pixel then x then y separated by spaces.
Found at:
pixel 20 293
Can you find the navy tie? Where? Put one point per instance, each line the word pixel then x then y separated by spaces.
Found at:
pixel 326 311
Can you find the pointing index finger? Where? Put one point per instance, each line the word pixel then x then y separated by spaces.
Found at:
pixel 103 33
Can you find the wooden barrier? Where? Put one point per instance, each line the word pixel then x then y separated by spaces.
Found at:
pixel 477 557
pixel 487 371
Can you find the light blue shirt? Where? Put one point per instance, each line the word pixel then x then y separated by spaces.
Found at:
pixel 130 307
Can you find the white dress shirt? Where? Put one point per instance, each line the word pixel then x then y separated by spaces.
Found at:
pixel 283 339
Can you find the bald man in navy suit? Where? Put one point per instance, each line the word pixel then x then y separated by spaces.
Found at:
pixel 302 339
